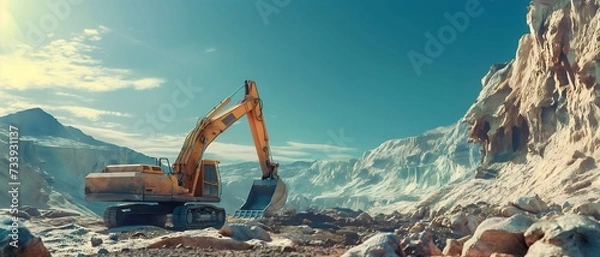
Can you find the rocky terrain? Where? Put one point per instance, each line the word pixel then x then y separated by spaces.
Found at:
pixel 527 226
pixel 537 192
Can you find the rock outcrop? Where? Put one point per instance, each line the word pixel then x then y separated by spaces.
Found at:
pixel 537 116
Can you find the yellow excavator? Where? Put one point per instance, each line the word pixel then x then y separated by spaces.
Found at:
pixel 188 189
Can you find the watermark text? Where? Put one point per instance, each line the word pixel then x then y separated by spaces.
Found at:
pixel 13 183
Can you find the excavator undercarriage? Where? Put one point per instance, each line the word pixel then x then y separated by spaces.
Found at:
pixel 190 216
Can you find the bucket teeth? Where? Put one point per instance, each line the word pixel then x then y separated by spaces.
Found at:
pixel 248 214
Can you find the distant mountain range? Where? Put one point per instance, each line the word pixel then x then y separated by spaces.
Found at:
pixel 56 158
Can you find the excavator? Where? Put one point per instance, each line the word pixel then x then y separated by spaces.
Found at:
pixel 189 189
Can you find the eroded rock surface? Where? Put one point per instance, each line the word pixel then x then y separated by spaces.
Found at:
pixel 501 235
pixel 569 235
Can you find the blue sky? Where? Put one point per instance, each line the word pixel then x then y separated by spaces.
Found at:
pixel 335 76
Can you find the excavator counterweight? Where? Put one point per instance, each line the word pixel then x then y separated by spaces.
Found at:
pixel 188 191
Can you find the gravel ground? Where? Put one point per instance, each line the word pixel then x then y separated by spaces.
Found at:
pixel 172 252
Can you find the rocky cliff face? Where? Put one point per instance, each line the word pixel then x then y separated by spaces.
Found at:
pixel 537 115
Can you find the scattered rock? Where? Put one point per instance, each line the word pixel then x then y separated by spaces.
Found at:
pixel 531 204
pixel 58 214
pixel 27 244
pixel 417 228
pixel 588 209
pixel 454 246
pixel 504 235
pixel 511 210
pixel 472 223
pixel 306 229
pixel 364 217
pixel 325 225
pixel 113 236
pixel 420 213
pixel 138 235
pixel 568 235
pixel 32 211
pixel 423 246
pixel 458 224
pixel 566 205
pixel 102 252
pixel 201 242
pixel 350 237
pixel 245 232
pixel 287 249
pixel 96 241
pixel 382 244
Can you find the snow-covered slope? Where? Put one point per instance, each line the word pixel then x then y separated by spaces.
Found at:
pixel 537 115
pixel 399 170
pixel 54 160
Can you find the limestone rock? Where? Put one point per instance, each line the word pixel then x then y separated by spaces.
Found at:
pixel 502 235
pixel 379 245
pixel 569 235
pixel 201 242
pixel 245 232
pixel 454 246
pixel 589 209
pixel 531 204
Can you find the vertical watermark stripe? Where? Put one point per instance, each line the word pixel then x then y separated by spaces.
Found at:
pixel 13 183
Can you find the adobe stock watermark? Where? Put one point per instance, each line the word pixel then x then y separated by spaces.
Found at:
pixel 435 45
pixel 36 32
pixel 266 8
pixel 166 112
pixel 13 184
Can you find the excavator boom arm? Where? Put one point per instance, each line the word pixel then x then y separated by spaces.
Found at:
pixel 215 123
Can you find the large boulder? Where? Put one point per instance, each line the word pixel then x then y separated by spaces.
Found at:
pixel 379 245
pixel 17 241
pixel 499 235
pixel 569 235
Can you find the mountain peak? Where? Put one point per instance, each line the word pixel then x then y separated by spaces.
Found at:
pixel 36 122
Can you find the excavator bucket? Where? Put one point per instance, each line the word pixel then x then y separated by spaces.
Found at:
pixel 265 198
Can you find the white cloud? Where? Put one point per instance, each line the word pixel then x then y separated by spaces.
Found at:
pixel 67 63
pixel 162 145
pixel 89 113
pixel 91 32
pixel 210 50
pixel 11 103
pixel 78 97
